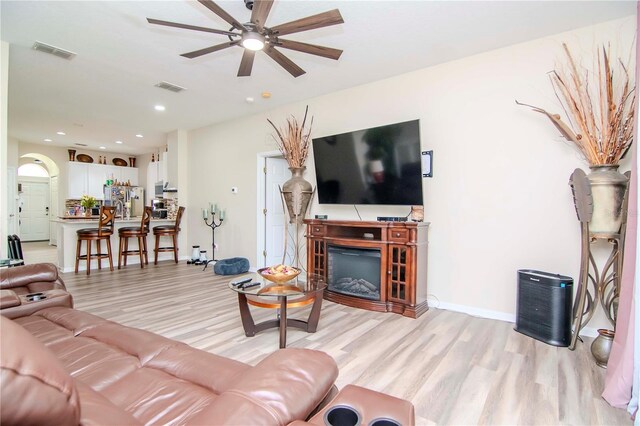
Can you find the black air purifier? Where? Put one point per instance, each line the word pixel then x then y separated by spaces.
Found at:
pixel 544 306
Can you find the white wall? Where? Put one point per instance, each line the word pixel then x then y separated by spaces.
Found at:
pixel 499 199
pixel 4 96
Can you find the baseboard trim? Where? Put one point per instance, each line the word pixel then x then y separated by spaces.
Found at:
pixel 490 314
pixel 133 260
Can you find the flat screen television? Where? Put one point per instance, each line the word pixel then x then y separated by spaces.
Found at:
pixel 380 166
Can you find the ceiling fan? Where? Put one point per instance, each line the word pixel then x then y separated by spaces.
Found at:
pixel 254 35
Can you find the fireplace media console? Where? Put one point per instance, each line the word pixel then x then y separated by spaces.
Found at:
pixel 349 255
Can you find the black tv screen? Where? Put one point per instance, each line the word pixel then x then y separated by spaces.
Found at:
pixel 380 165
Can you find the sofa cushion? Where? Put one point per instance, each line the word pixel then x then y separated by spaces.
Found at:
pixel 35 388
pixel 98 410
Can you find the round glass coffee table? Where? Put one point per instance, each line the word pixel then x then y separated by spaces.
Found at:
pixel 298 292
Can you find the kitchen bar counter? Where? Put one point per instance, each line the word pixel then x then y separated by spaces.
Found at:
pixel 68 238
pixel 94 219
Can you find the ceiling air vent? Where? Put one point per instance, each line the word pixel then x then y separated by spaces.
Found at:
pixel 47 48
pixel 169 86
pixel 81 144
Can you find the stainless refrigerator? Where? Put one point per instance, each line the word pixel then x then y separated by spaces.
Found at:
pixel 119 195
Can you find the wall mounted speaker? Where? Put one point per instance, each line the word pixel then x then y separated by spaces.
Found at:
pixel 427 163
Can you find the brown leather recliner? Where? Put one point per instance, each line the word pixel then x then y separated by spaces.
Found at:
pixel 27 289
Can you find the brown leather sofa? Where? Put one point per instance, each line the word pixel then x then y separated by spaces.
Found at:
pixel 62 366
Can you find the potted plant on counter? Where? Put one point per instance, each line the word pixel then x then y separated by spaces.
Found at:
pixel 88 202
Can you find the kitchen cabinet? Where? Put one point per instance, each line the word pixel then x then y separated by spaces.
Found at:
pixel 87 178
pixel 157 171
pixel 77 180
pixel 96 178
pixel 129 174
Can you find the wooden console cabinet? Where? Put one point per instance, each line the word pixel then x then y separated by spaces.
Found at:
pixel 403 261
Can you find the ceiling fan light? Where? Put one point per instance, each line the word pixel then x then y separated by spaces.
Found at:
pixel 252 41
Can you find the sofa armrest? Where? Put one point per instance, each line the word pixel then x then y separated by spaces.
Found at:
pixel 286 386
pixel 31 278
pixel 8 299
pixel 27 306
pixel 371 406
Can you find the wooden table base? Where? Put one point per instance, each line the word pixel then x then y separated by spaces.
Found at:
pixel 251 328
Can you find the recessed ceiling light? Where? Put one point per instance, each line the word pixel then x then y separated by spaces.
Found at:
pixel 61 133
pixel 48 140
pixel 103 147
pixel 119 142
pixel 266 95
pixel 159 108
pixel 249 100
pixel 139 136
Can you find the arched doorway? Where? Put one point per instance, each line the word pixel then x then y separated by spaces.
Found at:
pixel 38 199
pixel 33 202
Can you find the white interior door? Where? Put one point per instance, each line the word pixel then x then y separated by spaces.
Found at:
pixel 34 210
pixel 12 200
pixel 277 172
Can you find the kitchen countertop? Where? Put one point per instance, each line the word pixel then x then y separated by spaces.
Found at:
pixel 94 219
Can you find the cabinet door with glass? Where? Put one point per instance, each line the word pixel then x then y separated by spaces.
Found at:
pixel 400 283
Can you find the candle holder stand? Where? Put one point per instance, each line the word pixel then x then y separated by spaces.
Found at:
pixel 213 225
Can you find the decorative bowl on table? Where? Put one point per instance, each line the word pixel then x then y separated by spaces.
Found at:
pixel 279 274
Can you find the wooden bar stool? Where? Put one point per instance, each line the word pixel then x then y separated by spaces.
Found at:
pixel 104 231
pixel 140 233
pixel 168 231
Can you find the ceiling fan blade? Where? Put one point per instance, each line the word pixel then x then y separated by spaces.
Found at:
pixel 211 49
pixel 190 27
pixel 284 62
pixel 221 13
pixel 247 63
pixel 312 49
pixel 260 12
pixel 320 20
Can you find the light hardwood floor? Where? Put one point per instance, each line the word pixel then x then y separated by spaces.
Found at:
pixel 456 369
pixel 39 252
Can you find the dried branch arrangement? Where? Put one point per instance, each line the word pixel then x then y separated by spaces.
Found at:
pixel 293 140
pixel 600 126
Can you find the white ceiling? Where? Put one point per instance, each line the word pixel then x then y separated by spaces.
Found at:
pixel 106 93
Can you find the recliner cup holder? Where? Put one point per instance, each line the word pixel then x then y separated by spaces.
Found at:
pixel 383 421
pixel 34 297
pixel 342 415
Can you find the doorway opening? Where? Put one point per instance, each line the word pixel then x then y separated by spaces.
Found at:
pixel 273 235
pixel 35 209
pixel 33 203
